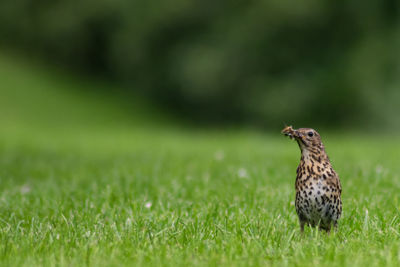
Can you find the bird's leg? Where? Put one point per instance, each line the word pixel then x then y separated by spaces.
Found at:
pixel 302 223
pixel 335 227
pixel 326 228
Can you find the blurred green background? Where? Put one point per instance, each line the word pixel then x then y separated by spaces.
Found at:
pixel 331 64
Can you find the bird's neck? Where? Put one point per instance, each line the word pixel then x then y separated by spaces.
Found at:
pixel 315 156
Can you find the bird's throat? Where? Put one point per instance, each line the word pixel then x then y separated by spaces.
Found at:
pixel 316 158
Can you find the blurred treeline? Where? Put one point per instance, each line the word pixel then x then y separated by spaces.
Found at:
pixel 329 63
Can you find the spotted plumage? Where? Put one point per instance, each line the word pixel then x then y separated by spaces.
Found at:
pixel 318 190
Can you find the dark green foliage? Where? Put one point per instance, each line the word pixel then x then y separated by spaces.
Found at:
pixel 263 62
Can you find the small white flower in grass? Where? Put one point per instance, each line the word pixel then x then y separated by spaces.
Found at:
pixel 87 234
pixel 128 222
pixel 148 205
pixel 25 189
pixel 219 155
pixel 379 169
pixel 242 173
pixel 58 236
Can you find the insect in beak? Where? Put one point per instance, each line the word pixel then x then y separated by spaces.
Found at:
pixel 288 131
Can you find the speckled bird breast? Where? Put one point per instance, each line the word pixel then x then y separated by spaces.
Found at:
pixel 317 197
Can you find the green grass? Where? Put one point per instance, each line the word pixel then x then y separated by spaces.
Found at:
pixel 107 191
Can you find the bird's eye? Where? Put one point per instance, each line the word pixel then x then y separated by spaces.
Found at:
pixel 310 134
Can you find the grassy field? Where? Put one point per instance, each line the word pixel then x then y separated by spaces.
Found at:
pixel 85 183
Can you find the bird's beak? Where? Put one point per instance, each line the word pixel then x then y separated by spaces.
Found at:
pixel 292 133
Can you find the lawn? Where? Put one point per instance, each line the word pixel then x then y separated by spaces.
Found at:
pixel 85 183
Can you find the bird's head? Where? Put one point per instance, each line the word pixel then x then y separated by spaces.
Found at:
pixel 307 138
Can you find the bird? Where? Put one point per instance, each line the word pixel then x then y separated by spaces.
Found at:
pixel 318 188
